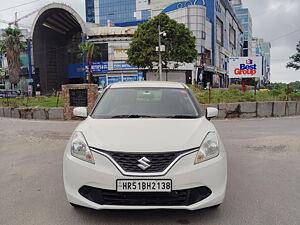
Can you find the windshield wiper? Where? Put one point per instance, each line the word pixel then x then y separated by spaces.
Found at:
pixel 182 117
pixel 133 116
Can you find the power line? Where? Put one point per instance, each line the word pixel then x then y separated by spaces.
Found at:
pixel 285 35
pixel 1 10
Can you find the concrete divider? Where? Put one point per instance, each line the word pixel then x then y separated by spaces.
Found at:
pixel 248 110
pixel 40 114
pixel 33 113
pixel 1 111
pixel 298 108
pixel 279 109
pixel 226 110
pixel 15 113
pixel 265 109
pixel 291 108
pixel 255 109
pixel 56 113
pixel 229 110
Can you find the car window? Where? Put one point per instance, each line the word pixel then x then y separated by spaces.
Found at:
pixel 146 102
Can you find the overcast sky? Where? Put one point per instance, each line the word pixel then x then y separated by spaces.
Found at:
pixel 273 20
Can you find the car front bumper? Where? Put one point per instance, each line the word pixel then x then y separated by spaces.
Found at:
pixel 184 175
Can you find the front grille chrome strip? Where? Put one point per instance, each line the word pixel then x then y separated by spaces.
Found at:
pixel 135 174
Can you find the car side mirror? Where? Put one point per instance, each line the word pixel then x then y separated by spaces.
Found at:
pixel 80 112
pixel 211 113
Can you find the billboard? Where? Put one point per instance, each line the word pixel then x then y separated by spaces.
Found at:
pixel 98 67
pixel 245 67
pixel 78 71
pixel 122 66
pixel 120 54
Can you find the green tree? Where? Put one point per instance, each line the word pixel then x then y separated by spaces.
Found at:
pixel 179 44
pixel 88 50
pixel 12 47
pixel 295 59
pixel 278 86
pixel 295 85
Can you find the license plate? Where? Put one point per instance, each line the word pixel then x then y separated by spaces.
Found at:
pixel 144 185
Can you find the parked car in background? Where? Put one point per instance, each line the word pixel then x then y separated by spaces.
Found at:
pixel 9 94
pixel 146 145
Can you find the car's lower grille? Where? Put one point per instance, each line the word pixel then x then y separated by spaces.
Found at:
pixel 158 161
pixel 175 198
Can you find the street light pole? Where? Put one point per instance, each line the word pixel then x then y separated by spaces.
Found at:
pixel 159 53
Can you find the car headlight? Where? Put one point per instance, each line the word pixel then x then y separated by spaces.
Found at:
pixel 209 148
pixel 80 148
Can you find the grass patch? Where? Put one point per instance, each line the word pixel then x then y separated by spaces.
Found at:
pixel 40 101
pixel 216 96
pixel 232 96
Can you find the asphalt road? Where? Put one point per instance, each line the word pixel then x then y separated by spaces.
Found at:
pixel 263 182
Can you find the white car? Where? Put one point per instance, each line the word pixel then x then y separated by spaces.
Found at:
pixel 145 145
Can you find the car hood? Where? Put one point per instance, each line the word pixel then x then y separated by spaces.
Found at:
pixel 145 135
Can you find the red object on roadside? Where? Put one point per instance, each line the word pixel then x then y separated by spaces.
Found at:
pixel 243 85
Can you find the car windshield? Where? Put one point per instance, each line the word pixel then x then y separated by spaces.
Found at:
pixel 147 103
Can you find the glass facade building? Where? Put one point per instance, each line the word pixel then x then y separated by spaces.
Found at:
pixel 263 48
pixel 243 14
pixel 90 11
pixel 116 12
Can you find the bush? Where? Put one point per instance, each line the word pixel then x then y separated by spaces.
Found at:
pixel 195 87
pixel 41 98
pixel 40 101
pixel 240 87
pixel 275 92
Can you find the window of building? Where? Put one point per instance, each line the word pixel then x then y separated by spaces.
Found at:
pixel 220 32
pixel 146 14
pixel 102 54
pixel 203 35
pixel 90 11
pixel 232 36
pixel 117 11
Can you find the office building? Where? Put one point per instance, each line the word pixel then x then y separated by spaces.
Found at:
pixel 217 30
pixel 263 48
pixel 117 12
pixel 218 35
pixel 244 16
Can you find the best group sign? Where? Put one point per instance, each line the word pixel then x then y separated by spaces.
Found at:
pixel 245 67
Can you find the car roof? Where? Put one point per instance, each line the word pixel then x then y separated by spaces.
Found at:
pixel 149 84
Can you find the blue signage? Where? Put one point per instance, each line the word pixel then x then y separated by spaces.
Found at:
pixel 76 71
pixel 114 79
pixel 122 66
pixel 98 67
pixel 102 81
pixel 140 76
pixel 183 4
pixel 130 78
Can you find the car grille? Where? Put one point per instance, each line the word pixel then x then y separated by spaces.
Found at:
pixel 129 161
pixel 175 198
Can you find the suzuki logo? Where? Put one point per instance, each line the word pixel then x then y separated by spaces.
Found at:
pixel 144 163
